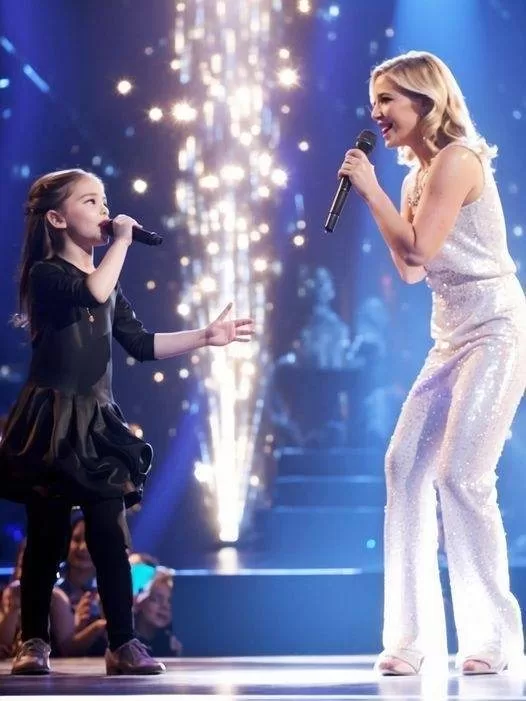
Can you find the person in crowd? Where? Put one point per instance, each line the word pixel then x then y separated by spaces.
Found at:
pixel 153 615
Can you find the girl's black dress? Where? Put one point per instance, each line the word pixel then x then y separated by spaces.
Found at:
pixel 65 436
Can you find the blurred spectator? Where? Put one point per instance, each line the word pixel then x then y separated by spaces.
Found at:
pixel 10 608
pixel 143 558
pixel 153 615
pixel 143 569
pixel 78 626
pixel 313 367
pixel 324 339
pixel 77 623
pixel 370 347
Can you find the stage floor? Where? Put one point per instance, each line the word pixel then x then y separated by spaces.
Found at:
pixel 258 678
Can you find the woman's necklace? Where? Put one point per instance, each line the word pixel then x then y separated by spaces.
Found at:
pixel 91 318
pixel 421 177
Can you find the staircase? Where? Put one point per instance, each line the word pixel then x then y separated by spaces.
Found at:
pixel 327 509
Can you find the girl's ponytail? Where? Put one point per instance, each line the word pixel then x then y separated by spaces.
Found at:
pixel 41 240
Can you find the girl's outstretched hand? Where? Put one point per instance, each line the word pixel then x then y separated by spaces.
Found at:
pixel 223 331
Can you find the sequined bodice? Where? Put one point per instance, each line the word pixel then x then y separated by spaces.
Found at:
pixel 473 276
pixel 476 247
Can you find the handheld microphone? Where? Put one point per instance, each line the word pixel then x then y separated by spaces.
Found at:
pixel 365 142
pixel 150 238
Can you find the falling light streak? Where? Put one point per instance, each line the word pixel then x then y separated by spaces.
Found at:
pixel 226 58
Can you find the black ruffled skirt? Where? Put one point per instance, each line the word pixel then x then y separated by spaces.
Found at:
pixel 71 446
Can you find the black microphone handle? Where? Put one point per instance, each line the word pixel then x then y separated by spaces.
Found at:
pixel 337 204
pixel 365 142
pixel 150 238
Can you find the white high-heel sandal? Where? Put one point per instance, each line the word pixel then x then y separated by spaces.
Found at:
pixel 393 666
pixel 478 665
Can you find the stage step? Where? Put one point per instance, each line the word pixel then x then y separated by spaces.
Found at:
pixel 324 535
pixel 329 490
pixel 285 612
pixel 278 612
pixel 338 461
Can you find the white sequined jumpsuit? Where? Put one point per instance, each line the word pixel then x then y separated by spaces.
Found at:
pixel 450 435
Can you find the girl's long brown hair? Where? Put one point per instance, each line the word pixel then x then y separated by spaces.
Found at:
pixel 41 239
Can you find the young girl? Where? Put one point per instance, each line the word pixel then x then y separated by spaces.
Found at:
pixel 455 420
pixel 153 615
pixel 66 442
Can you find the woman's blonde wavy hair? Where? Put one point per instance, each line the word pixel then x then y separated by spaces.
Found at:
pixel 421 75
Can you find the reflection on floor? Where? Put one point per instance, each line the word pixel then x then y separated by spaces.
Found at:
pixel 295 678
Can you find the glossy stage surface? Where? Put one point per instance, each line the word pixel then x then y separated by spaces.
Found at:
pixel 257 678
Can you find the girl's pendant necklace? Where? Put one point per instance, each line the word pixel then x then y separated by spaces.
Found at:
pixel 91 318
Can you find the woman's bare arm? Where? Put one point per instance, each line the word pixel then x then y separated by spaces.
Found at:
pixel 409 273
pixel 455 178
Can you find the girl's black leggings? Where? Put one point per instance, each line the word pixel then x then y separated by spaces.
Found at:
pixel 48 537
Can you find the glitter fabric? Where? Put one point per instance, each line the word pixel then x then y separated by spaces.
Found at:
pixel 448 439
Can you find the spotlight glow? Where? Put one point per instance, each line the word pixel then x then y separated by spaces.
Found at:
pixel 140 186
pixel 260 265
pixel 209 182
pixel 208 284
pixel 203 473
pixel 288 77
pixel 184 112
pixel 155 114
pixel 279 177
pixel 183 309
pixel 124 87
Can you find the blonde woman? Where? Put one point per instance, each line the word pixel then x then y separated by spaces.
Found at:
pixel 455 420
